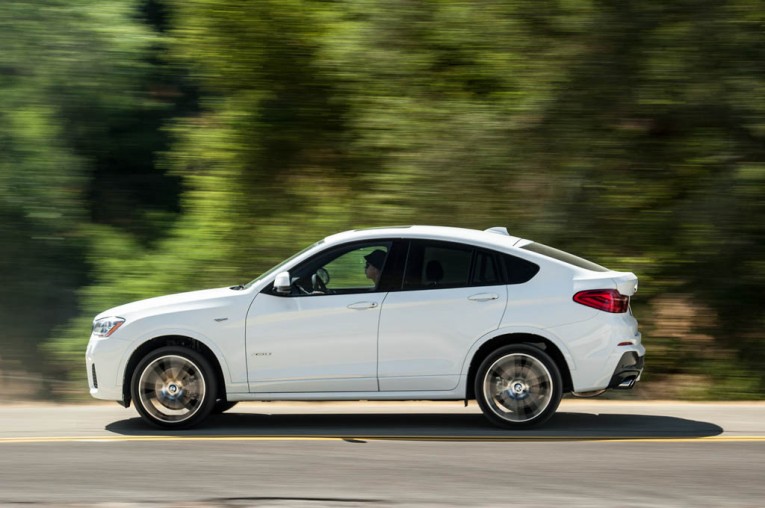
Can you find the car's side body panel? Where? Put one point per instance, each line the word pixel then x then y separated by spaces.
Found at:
pixel 296 345
pixel 424 334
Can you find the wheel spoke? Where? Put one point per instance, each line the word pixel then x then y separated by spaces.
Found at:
pixel 187 402
pixel 540 379
pixel 158 374
pixel 501 372
pixel 174 368
pixel 504 399
pixel 189 379
pixel 530 406
pixel 151 379
pixel 148 388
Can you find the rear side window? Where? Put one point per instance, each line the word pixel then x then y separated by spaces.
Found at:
pixel 485 271
pixel 441 265
pixel 432 266
pixel 519 270
pixel 564 256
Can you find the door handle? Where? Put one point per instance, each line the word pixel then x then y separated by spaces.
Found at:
pixel 483 297
pixel 363 305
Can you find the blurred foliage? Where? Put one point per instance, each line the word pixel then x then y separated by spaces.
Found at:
pixel 155 146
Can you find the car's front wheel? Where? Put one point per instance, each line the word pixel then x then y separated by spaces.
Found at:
pixel 174 387
pixel 518 386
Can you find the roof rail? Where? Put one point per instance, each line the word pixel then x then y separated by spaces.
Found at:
pixel 498 230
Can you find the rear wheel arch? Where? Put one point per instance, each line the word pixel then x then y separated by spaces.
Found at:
pixel 171 340
pixel 518 338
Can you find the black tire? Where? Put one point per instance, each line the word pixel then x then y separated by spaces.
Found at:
pixel 518 386
pixel 223 405
pixel 174 388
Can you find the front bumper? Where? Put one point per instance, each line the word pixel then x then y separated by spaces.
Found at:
pixel 627 371
pixel 103 360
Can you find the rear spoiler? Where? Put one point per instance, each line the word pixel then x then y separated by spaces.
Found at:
pixel 627 283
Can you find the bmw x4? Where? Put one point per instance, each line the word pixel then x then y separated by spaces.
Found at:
pixel 400 313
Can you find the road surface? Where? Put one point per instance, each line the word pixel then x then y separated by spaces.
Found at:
pixel 592 453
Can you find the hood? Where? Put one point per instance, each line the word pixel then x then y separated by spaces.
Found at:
pixel 205 299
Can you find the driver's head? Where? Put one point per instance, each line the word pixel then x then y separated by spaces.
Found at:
pixel 375 261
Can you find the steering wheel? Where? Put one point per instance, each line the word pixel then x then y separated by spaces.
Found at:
pixel 320 280
pixel 302 289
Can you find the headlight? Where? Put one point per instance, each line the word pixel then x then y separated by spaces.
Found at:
pixel 106 326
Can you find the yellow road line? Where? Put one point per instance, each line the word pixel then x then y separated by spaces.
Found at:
pixel 105 439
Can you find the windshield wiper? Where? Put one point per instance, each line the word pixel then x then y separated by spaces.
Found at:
pixel 238 287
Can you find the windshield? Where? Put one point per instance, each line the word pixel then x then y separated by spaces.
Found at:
pixel 278 268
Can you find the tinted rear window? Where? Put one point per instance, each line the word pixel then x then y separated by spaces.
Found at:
pixel 519 271
pixel 564 256
pixel 438 265
pixel 485 272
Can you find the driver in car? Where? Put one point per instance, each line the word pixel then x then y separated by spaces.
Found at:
pixel 373 267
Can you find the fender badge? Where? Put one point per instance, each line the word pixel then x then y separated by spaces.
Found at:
pixel 221 319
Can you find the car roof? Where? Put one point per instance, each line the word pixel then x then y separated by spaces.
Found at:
pixel 495 237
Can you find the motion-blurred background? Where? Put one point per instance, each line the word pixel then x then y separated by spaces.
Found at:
pixel 157 146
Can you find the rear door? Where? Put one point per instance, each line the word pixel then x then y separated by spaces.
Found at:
pixel 452 294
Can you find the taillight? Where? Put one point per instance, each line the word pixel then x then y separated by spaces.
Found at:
pixel 607 300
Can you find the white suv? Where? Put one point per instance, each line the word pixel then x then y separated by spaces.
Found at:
pixel 400 313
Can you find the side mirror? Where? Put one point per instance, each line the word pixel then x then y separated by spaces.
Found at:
pixel 282 283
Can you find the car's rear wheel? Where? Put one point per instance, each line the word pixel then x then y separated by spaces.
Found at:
pixel 518 386
pixel 174 387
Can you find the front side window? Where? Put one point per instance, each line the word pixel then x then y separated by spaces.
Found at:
pixel 358 269
pixel 344 270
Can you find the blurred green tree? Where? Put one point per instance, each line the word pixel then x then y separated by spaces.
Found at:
pixel 630 133
pixel 82 99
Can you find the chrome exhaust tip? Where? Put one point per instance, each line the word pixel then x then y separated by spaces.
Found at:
pixel 627 383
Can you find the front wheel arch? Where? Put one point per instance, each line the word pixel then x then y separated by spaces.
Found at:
pixel 171 340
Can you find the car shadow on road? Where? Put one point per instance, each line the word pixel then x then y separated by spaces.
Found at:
pixel 418 426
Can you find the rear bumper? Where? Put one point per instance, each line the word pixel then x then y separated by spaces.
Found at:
pixel 627 371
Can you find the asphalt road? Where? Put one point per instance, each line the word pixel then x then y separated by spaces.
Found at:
pixel 380 455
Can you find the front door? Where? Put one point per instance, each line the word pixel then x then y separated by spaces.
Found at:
pixel 322 337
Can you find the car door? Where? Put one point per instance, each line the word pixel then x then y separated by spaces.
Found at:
pixel 322 337
pixel 452 294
